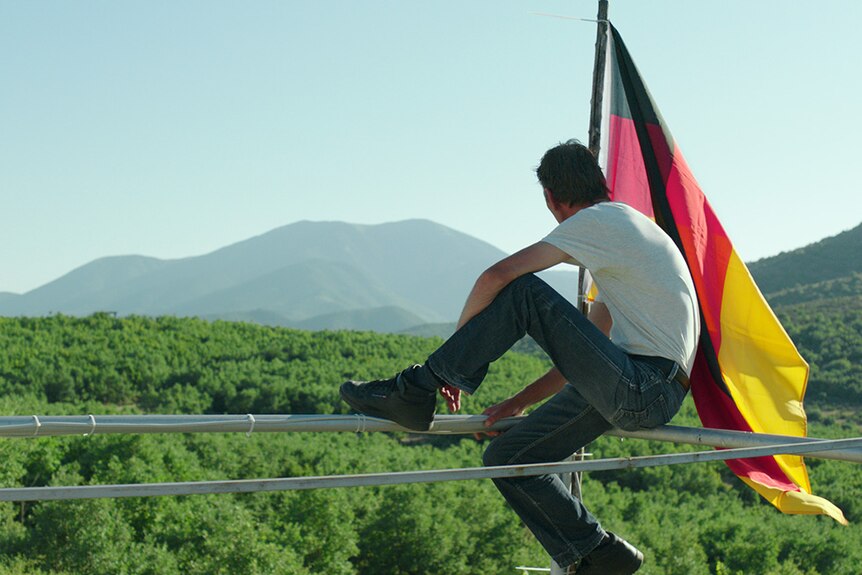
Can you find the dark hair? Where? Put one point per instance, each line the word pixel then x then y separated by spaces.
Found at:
pixel 570 172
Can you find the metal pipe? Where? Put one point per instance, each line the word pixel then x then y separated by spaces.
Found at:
pixel 723 438
pixel 52 425
pixel 405 477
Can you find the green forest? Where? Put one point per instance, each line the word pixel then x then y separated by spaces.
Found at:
pixel 689 520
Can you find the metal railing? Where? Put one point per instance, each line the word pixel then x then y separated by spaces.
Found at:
pixel 734 444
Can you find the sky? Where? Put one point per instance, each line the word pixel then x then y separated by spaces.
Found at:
pixel 171 129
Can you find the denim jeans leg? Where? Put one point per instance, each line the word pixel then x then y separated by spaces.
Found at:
pixel 606 388
pixel 559 521
pixel 597 371
pixel 584 355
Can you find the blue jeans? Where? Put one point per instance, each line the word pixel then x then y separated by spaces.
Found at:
pixel 606 388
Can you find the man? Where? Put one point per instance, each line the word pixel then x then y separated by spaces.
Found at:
pixel 626 367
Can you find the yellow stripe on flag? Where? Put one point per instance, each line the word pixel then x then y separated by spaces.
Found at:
pixel 797 502
pixel 761 366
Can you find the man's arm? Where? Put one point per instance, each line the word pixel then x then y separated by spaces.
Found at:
pixel 536 257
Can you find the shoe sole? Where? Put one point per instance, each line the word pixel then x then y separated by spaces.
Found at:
pixel 635 565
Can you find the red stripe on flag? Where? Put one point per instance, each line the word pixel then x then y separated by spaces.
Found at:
pixel 718 411
pixel 626 175
pixel 705 243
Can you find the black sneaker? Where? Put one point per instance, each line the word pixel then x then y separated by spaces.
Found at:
pixel 394 399
pixel 615 557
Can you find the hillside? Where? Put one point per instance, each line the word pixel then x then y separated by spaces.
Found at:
pixel 690 520
pixel 835 291
pixel 807 269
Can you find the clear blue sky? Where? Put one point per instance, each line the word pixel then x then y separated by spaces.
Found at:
pixel 170 129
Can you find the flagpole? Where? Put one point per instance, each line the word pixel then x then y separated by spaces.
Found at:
pixel 595 133
pixel 598 79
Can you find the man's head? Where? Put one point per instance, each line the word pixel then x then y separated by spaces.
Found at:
pixel 570 174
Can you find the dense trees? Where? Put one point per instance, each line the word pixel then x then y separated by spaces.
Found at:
pixel 689 519
pixel 829 336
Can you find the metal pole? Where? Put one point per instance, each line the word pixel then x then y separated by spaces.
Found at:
pixel 598 79
pixel 22 426
pixel 406 477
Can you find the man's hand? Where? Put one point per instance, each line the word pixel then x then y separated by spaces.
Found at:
pixel 508 408
pixel 542 388
pixel 452 395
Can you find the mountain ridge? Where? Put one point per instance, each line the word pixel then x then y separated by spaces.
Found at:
pixel 296 271
pixel 396 276
pixel 832 258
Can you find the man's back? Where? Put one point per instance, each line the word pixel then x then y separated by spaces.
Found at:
pixel 641 276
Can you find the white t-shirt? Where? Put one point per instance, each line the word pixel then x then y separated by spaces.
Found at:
pixel 641 276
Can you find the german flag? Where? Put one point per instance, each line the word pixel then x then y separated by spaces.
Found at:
pixel 748 375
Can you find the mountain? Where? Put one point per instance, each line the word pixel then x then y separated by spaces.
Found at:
pixel 390 277
pixel 75 292
pixel 300 291
pixel 308 274
pixel 823 269
pixel 441 330
pixel 835 292
pixel 6 296
pixel 389 319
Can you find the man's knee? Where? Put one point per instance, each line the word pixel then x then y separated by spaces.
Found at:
pixel 530 287
pixel 525 282
pixel 523 288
